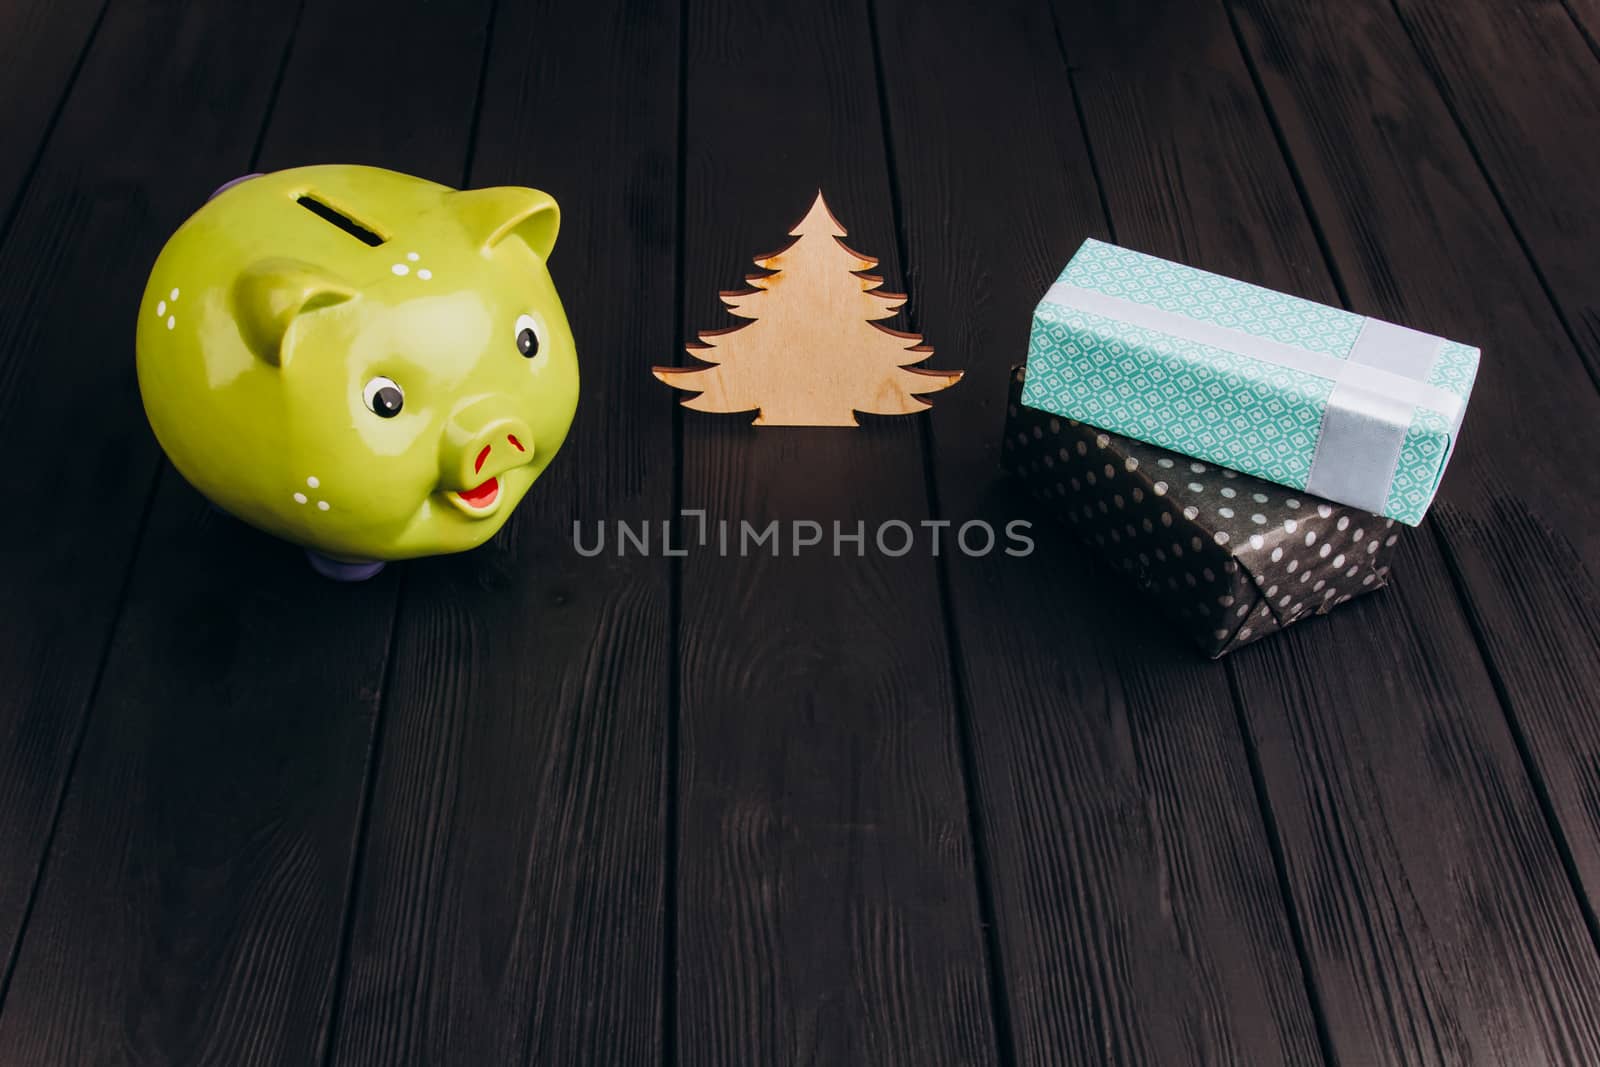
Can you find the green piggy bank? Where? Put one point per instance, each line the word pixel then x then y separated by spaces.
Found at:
pixel 367 364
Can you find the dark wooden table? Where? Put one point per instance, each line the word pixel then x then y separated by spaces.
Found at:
pixel 522 806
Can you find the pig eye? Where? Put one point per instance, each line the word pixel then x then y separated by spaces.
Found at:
pixel 527 336
pixel 383 397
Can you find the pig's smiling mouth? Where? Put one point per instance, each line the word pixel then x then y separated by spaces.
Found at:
pixel 480 501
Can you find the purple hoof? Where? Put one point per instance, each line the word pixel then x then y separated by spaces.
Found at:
pixel 343 570
pixel 229 185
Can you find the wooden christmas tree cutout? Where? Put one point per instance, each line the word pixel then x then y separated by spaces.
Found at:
pixel 812 356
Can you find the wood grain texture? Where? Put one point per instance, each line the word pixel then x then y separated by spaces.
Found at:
pixel 192 905
pixel 121 169
pixel 827 905
pixel 1338 707
pixel 1586 14
pixel 510 903
pixel 1138 913
pixel 1504 70
pixel 1411 224
pixel 41 44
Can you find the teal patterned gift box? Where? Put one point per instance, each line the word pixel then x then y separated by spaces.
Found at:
pixel 1344 407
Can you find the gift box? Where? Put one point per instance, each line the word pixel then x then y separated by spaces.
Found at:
pixel 1228 557
pixel 1340 406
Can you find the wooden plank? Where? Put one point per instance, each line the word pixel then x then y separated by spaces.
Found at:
pixel 1137 909
pixel 1409 223
pixel 42 43
pixel 826 904
pixel 119 171
pixel 191 907
pixel 1522 83
pixel 1344 737
pixel 1586 13
pixel 510 904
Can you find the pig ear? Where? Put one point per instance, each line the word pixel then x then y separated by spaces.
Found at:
pixel 492 215
pixel 272 292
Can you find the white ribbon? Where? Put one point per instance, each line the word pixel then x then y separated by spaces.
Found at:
pixel 1369 410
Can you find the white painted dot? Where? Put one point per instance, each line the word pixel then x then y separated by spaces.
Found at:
pixel 172 321
pixel 1277 554
pixel 1196 487
pixel 1198 468
pixel 1306 577
pixel 1038 432
pixel 1208 574
pixel 1220 635
pixel 322 505
pixel 1194 543
pixel 1166 518
pixel 1344 522
pixel 1165 463
pixel 1149 527
pixel 1351 573
pixel 1118 502
pixel 1285 601
pixel 299 498
pixel 1338 561
pixel 1131 463
pixel 1160 488
pixel 1244 633
pixel 1318 587
pixel 1083 449
pixel 1324 510
pixel 1190 512
pixel 1325 551
pixel 1228 492
pixel 1101 440
pixel 1292 502
pixel 1290 526
pixel 1259 498
pixel 1369 579
pixel 1391 539
pixel 1358 535
pixel 313 482
pixel 161 309
pixel 1244 609
pixel 1138 494
pixel 173 295
pixel 1372 546
pixel 1226 513
pixel 1226 600
pixel 1111 472
pixel 412 256
pixel 1311 538
pixel 1189 580
pixel 1256 541
pixel 1272 590
pixel 1294 565
pixel 400 268
pixel 1230 474
pixel 1089 477
pixel 1259 519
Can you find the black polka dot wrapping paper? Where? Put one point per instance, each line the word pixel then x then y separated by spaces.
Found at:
pixel 1229 558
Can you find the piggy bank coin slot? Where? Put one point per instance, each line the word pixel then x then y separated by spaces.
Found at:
pixel 328 213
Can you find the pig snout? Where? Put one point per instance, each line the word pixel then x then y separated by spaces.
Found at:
pixel 483 442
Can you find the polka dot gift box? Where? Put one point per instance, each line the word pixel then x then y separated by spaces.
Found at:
pixel 1341 406
pixel 1229 557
